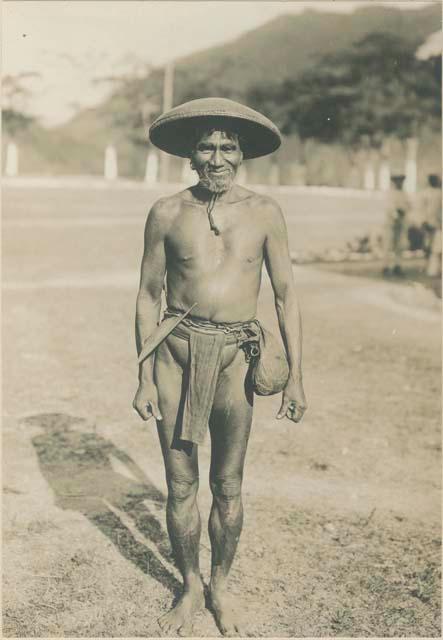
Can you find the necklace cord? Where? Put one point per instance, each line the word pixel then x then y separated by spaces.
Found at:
pixel 210 208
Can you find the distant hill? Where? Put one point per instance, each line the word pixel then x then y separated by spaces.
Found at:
pixel 282 48
pixel 290 43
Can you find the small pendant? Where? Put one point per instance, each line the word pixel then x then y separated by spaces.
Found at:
pixel 212 224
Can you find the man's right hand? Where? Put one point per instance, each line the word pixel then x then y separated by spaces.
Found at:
pixel 146 401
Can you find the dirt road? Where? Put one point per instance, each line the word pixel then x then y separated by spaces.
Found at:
pixel 342 515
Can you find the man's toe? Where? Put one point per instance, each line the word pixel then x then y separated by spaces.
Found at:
pixel 163 622
pixel 186 630
pixel 229 630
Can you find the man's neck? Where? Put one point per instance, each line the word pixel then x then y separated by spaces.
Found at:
pixel 204 195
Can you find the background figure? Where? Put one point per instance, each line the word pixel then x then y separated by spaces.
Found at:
pixel 397 208
pixel 431 212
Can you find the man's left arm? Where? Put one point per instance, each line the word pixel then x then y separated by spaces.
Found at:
pixel 279 268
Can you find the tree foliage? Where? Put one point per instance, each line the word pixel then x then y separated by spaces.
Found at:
pixel 15 122
pixel 135 101
pixel 15 97
pixel 376 88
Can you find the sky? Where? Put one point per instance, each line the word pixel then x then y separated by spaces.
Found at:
pixel 72 44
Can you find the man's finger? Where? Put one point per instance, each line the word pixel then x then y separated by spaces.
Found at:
pixel 283 409
pixel 295 413
pixel 143 410
pixel 154 410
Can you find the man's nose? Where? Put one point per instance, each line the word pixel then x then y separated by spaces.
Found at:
pixel 217 159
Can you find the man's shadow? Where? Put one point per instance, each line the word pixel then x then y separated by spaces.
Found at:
pixel 77 466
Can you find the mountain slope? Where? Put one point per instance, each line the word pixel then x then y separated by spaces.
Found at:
pixel 290 43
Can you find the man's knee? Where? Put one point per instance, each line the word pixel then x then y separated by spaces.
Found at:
pixel 227 489
pixel 182 488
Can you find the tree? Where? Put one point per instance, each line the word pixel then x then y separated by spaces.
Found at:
pixel 15 99
pixel 376 88
pixel 133 103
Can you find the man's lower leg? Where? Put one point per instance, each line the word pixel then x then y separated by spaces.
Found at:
pixel 184 528
pixel 225 525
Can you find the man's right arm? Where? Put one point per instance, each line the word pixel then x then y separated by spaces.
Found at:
pixel 153 269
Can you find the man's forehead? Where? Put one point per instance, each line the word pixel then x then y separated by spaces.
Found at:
pixel 217 134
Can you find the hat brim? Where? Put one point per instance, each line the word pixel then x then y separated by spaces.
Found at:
pixel 176 134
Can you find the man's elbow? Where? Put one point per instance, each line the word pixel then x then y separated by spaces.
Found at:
pixel 148 298
pixel 285 299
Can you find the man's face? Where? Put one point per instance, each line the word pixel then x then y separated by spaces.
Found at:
pixel 216 158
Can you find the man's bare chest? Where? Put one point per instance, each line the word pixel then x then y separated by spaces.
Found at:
pixel 240 238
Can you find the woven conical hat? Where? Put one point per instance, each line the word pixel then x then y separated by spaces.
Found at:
pixel 174 130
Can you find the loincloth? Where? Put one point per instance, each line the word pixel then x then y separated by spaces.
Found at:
pixel 207 341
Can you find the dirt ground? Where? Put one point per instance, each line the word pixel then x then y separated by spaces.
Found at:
pixel 342 512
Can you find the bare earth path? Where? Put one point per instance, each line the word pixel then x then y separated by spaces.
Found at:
pixel 342 515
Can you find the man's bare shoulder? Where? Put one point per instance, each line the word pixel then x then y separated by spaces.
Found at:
pixel 167 206
pixel 164 211
pixel 265 208
pixel 261 200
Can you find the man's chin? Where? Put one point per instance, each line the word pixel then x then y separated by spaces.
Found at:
pixel 217 184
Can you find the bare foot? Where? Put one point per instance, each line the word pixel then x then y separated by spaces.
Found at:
pixel 180 619
pixel 225 614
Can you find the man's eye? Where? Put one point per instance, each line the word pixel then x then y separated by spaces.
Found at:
pixel 204 149
pixel 228 149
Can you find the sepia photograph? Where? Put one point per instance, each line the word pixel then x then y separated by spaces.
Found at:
pixel 221 318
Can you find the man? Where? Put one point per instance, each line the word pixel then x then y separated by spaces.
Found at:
pixel 210 242
pixel 432 223
pixel 397 208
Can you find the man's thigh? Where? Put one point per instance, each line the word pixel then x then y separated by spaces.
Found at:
pixel 231 419
pixel 170 378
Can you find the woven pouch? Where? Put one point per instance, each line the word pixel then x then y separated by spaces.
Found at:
pixel 270 371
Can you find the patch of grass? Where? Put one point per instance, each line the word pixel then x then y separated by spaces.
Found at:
pixel 398 617
pixel 426 584
pixel 342 619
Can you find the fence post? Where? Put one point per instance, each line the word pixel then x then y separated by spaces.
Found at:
pixel 369 177
pixel 384 176
pixel 111 170
pixel 11 169
pixel 411 165
pixel 188 175
pixel 151 173
pixel 274 174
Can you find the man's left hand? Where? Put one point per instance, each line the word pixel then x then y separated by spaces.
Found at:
pixel 293 404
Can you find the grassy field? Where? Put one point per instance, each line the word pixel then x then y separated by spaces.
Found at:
pixel 342 512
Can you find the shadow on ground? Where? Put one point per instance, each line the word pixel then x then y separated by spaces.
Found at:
pixel 77 466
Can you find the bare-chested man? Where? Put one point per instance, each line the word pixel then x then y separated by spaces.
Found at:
pixel 210 242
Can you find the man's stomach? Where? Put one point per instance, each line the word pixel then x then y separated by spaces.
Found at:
pixel 221 297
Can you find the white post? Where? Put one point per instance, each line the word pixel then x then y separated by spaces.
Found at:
pixel 369 178
pixel 274 174
pixel 111 170
pixel 384 176
pixel 188 176
pixel 151 174
pixel 411 165
pixel 11 169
